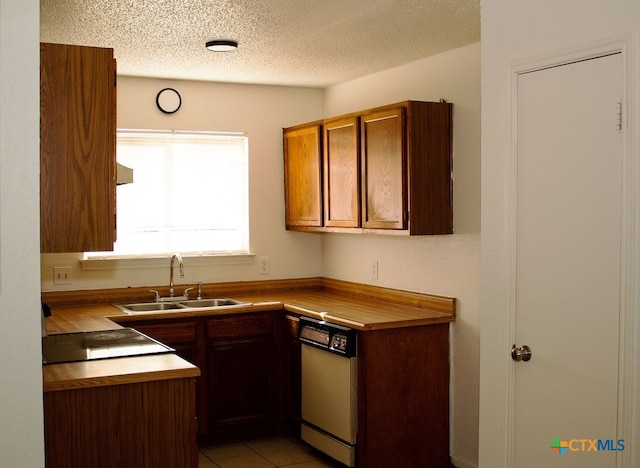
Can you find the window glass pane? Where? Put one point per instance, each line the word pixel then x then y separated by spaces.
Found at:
pixel 189 194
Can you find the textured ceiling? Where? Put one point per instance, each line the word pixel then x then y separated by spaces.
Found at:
pixel 314 43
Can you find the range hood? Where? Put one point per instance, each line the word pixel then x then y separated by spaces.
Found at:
pixel 124 174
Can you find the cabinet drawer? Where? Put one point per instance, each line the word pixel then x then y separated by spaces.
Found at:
pixel 178 332
pixel 240 325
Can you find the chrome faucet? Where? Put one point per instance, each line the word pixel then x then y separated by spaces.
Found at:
pixel 181 265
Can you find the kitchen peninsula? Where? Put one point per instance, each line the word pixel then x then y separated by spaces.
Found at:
pixel 403 359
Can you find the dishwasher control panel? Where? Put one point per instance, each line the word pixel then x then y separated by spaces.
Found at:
pixel 328 336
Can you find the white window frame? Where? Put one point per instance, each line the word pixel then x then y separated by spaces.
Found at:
pixel 107 260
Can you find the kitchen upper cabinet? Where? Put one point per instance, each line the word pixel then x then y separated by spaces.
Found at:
pixel 303 176
pixel 77 148
pixel 384 184
pixel 341 165
pixel 386 171
pixel 406 168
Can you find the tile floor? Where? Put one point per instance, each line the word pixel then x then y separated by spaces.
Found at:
pixel 264 453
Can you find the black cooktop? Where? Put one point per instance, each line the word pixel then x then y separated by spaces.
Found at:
pixel 105 344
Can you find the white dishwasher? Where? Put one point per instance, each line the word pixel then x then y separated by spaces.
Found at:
pixel 329 388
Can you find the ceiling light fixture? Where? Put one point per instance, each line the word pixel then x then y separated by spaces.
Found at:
pixel 222 45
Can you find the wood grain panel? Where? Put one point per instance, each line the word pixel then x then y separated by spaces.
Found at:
pixel 383 170
pixel 303 176
pixel 241 377
pixel 341 163
pixel 403 397
pixel 430 153
pixel 143 425
pixel 169 332
pixel 240 325
pixel 77 148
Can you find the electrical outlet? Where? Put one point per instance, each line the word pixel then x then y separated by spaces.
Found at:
pixel 62 275
pixel 374 269
pixel 263 265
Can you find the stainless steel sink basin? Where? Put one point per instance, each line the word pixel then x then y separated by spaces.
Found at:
pixel 218 302
pixel 179 305
pixel 149 306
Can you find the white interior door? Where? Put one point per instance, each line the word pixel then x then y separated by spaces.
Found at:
pixel 568 263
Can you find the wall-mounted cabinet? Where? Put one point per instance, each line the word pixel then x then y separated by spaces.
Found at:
pixel 385 170
pixel 303 175
pixel 77 148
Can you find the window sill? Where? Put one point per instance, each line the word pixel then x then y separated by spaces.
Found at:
pixel 142 261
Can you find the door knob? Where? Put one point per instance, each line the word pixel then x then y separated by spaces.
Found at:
pixel 523 353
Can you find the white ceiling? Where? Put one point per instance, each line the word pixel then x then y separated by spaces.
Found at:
pixel 311 43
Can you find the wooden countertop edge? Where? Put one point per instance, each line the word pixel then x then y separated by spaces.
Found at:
pixel 120 371
pixel 431 302
pixel 431 319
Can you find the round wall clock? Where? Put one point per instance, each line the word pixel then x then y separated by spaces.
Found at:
pixel 168 100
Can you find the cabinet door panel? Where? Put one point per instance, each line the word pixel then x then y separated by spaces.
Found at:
pixel 302 177
pixel 241 383
pixel 383 170
pixel 77 148
pixel 341 171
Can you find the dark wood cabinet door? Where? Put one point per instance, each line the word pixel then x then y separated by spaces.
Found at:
pixel 302 176
pixel 341 163
pixel 77 148
pixel 241 385
pixel 384 190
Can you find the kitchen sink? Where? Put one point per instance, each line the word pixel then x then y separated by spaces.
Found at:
pixel 180 305
pixel 149 306
pixel 218 302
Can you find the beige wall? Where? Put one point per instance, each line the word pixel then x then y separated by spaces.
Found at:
pixel 512 32
pixel 445 265
pixel 261 112
pixel 21 434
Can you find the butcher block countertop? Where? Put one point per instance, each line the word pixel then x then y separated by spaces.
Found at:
pixel 358 306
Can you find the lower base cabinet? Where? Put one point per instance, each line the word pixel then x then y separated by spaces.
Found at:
pixel 183 336
pixel 236 354
pixel 250 384
pixel 241 357
pixel 403 397
pixel 140 425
